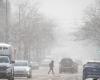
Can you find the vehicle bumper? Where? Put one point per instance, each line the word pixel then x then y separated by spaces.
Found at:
pixel 88 74
pixel 64 69
pixel 20 75
pixel 4 75
pixel 23 74
pixel 93 76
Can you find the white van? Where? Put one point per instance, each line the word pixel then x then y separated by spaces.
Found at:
pixel 7 49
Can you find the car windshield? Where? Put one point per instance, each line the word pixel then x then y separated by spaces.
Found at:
pixel 66 62
pixel 95 64
pixel 21 63
pixel 4 59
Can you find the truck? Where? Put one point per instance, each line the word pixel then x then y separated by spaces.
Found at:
pixel 6 62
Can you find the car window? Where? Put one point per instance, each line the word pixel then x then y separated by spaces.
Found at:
pixel 4 59
pixel 93 64
pixel 66 62
pixel 0 48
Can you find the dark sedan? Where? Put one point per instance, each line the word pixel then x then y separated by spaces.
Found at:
pixel 91 70
pixel 68 65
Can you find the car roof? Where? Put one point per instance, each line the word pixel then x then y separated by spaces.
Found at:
pixel 4 45
pixel 21 60
pixel 66 59
pixel 92 62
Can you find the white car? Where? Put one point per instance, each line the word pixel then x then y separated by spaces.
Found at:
pixel 22 69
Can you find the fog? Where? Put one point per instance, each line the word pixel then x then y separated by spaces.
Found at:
pixel 68 15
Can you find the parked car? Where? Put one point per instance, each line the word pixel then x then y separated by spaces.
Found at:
pixel 68 65
pixel 6 61
pixel 6 67
pixel 91 70
pixel 22 69
pixel 34 65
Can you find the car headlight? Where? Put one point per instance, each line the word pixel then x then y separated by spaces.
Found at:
pixel 9 70
pixel 27 69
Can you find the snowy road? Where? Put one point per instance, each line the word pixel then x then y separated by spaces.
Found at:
pixel 53 77
pixel 41 74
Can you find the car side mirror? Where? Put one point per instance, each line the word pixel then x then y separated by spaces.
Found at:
pixel 12 61
pixel 30 65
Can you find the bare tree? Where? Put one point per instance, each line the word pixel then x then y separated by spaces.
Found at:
pixel 91 29
pixel 33 34
pixel 4 20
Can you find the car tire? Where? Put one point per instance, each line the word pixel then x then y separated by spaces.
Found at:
pixel 11 78
pixel 60 71
pixel 37 68
pixel 74 71
pixel 29 76
pixel 71 71
pixel 83 78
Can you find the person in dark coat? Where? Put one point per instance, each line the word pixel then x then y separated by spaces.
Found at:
pixel 51 67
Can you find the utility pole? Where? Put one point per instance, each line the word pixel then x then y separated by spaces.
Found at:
pixel 19 15
pixel 6 12
pixel 6 23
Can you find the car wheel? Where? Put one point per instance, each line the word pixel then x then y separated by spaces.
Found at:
pixel 29 76
pixel 11 78
pixel 71 70
pixel 83 78
pixel 60 71
pixel 74 70
pixel 37 68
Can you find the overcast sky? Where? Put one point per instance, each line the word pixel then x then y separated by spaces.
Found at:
pixel 67 14
pixel 64 10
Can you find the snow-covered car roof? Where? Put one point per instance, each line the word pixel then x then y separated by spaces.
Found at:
pixel 5 45
pixel 21 60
